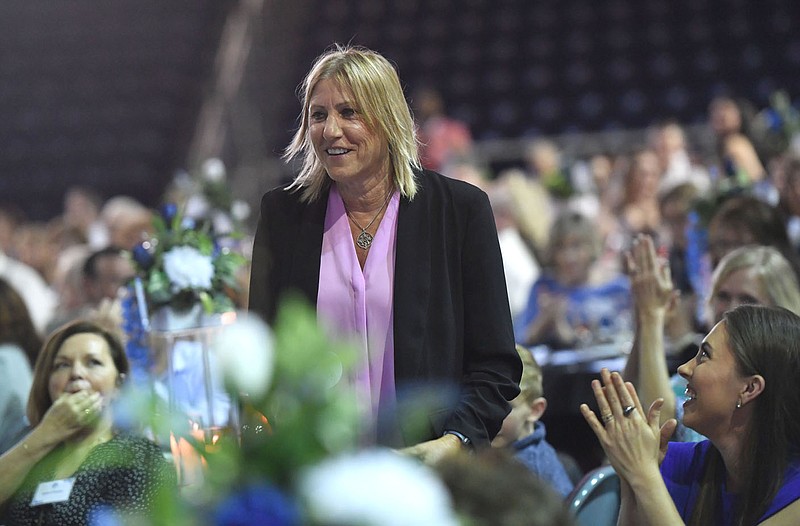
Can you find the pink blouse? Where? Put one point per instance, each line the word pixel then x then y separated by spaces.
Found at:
pixel 357 305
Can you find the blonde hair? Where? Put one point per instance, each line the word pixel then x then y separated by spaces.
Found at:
pixel 772 270
pixel 530 384
pixel 378 98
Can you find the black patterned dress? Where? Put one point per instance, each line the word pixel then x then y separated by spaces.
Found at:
pixel 124 475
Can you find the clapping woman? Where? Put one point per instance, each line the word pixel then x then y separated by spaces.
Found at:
pixel 742 389
pixel 74 463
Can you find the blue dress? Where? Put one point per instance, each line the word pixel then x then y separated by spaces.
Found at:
pixel 682 470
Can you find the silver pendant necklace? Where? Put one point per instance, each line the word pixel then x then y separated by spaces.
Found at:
pixel 364 239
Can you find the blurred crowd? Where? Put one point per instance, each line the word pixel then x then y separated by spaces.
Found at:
pixel 565 223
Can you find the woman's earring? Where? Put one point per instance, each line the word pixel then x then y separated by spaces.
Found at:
pixel 738 404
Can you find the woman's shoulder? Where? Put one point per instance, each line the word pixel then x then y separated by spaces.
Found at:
pixel 12 353
pixel 785 507
pixel 282 195
pixel 286 203
pixel 15 370
pixel 684 460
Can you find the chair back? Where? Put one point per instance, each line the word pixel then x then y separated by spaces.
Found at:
pixel 595 499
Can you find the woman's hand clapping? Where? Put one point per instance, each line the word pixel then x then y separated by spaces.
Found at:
pixel 651 283
pixel 632 439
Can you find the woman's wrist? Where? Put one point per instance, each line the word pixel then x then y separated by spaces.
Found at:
pixel 458 438
pixel 645 480
pixel 651 314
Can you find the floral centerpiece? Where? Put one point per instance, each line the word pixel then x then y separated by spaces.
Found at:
pixel 184 264
pixel 187 276
pixel 296 460
pixel 206 197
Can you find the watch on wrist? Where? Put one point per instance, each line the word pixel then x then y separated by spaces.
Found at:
pixel 465 441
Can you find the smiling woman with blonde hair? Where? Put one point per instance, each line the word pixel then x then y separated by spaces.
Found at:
pixel 405 262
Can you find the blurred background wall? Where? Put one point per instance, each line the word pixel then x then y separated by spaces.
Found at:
pixel 119 95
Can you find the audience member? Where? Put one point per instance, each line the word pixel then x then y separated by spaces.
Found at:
pixel 567 305
pixel 68 283
pixel 745 220
pixel 739 162
pixel 82 214
pixel 443 140
pixel 40 300
pixel 19 344
pixel 520 265
pixel 668 141
pixel 749 275
pixel 128 221
pixel 533 208
pixel 789 190
pixel 525 435
pixel 725 117
pixel 103 275
pixel 36 245
pixel 544 163
pixel 743 396
pixel 639 212
pixel 77 377
pixel 492 488
pixel 11 217
pixel 105 272
pixel 602 198
pixel 676 206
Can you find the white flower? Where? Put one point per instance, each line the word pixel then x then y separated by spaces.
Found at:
pixel 376 488
pixel 197 207
pixel 240 210
pixel 222 223
pixel 187 268
pixel 213 170
pixel 245 351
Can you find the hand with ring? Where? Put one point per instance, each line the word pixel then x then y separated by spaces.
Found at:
pixel 630 437
pixel 72 413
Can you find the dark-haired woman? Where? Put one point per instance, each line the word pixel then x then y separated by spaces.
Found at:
pixel 742 394
pixel 74 464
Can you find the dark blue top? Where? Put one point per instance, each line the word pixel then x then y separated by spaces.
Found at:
pixel 682 470
pixel 540 457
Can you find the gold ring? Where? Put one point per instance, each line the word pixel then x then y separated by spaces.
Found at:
pixel 607 418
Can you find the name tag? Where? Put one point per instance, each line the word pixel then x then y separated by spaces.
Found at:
pixel 53 491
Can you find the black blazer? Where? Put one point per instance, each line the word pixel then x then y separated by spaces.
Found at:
pixel 452 324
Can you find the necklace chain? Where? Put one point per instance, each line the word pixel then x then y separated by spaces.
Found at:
pixel 364 239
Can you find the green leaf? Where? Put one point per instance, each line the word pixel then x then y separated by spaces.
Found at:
pixel 207 301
